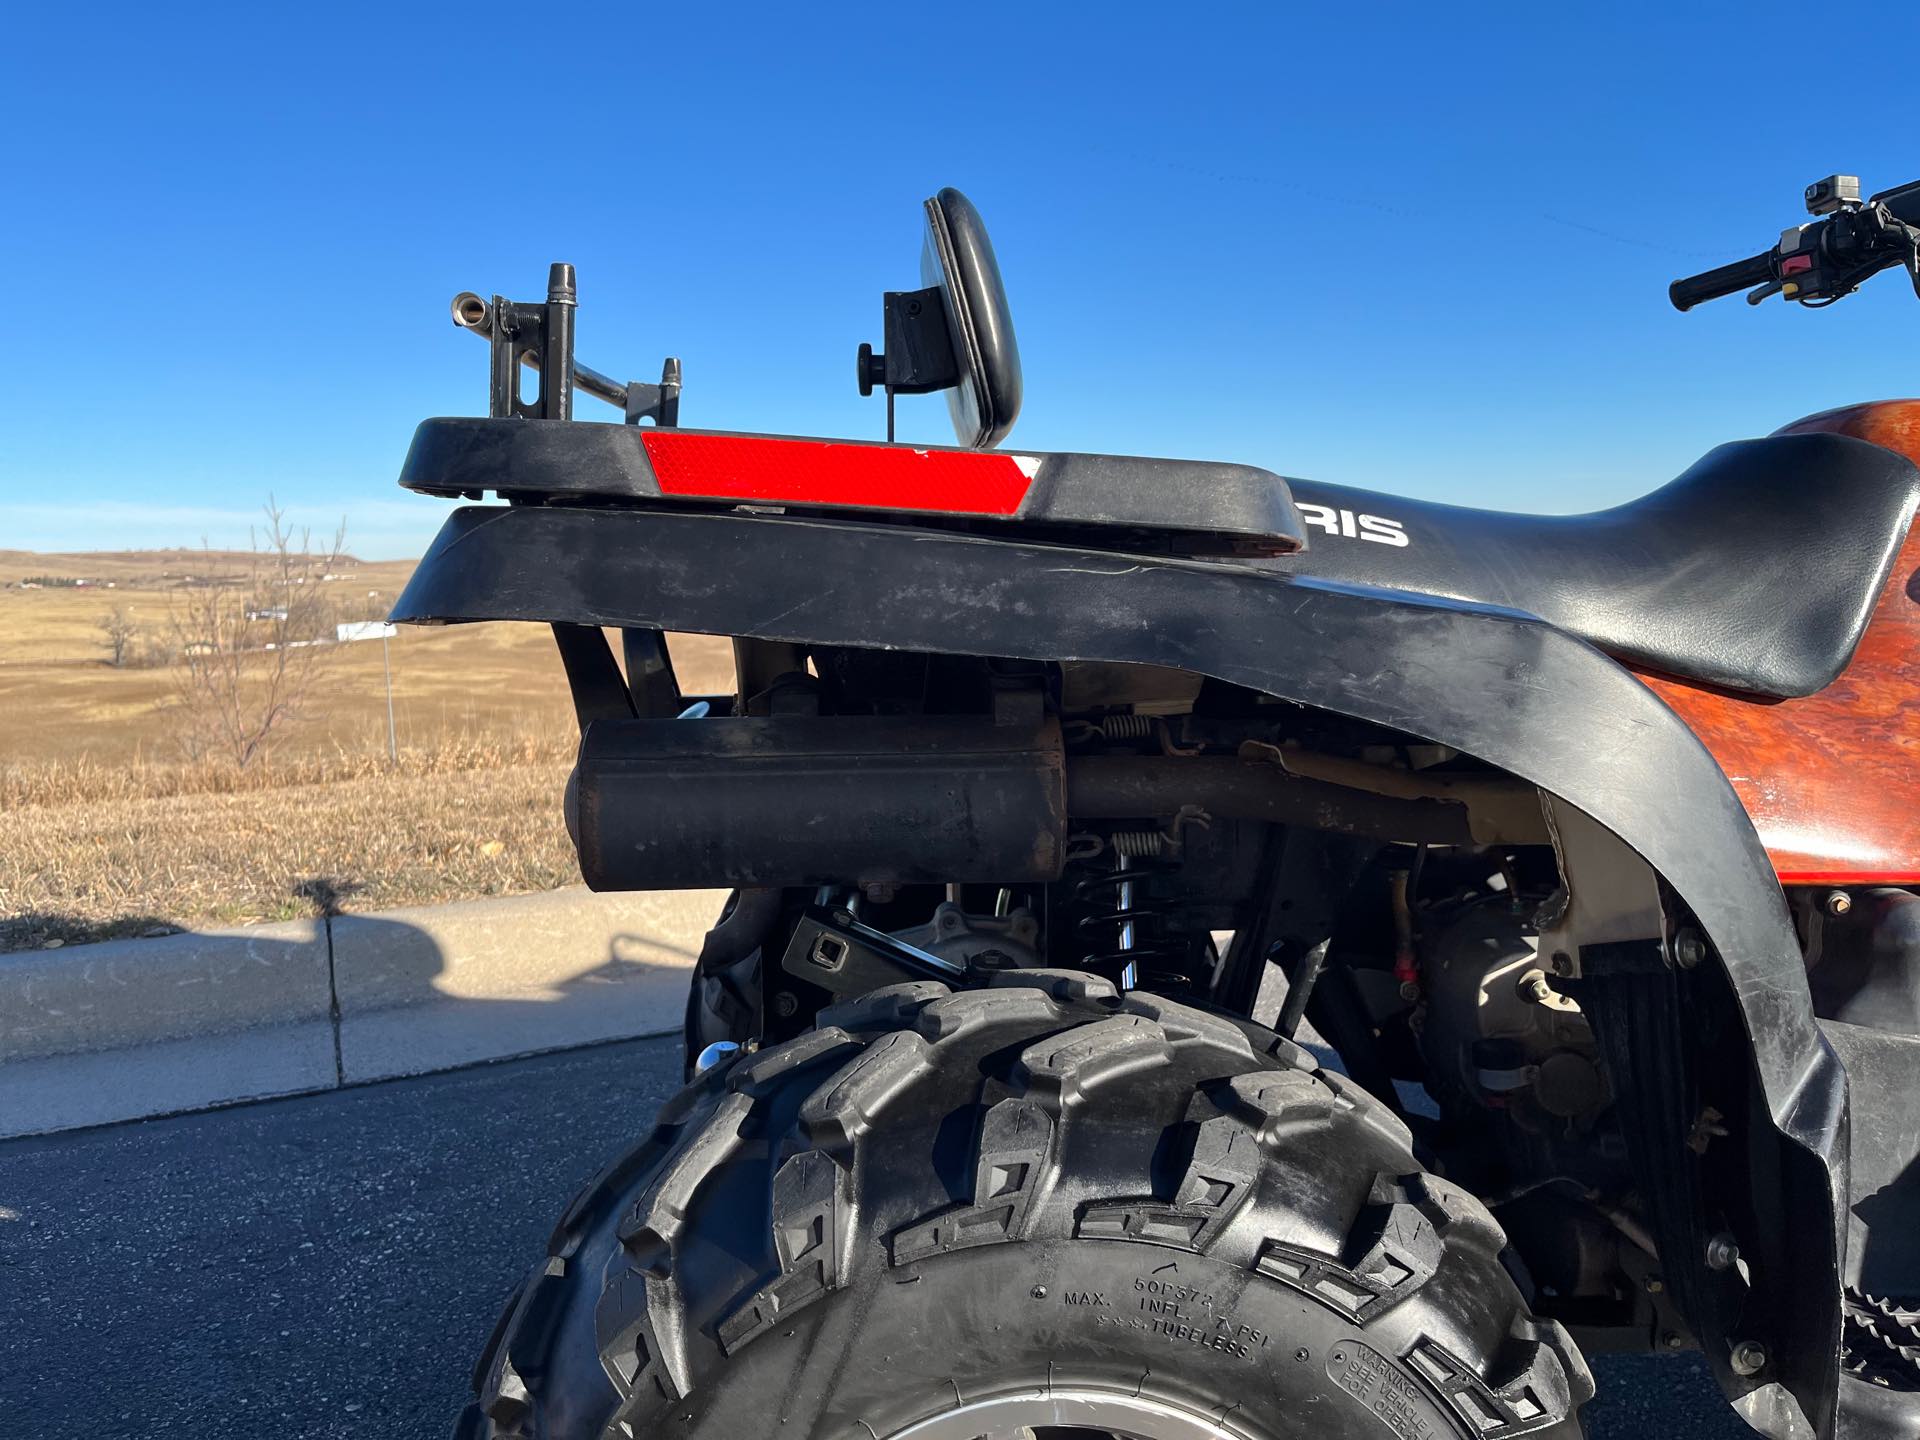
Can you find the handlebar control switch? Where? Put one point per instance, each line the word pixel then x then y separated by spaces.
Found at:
pixel 1836 192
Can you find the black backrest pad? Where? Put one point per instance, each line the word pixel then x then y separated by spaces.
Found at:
pixel 1755 571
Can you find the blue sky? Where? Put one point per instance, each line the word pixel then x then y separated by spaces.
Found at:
pixel 1422 249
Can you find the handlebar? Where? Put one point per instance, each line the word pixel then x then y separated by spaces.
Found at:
pixel 1712 284
pixel 1848 242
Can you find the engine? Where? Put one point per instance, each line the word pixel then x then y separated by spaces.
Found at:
pixel 1498 1034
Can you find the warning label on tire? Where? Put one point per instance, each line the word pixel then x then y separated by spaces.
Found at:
pixel 1392 1396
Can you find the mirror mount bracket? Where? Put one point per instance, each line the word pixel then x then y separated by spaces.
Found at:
pixel 658 403
pixel 918 358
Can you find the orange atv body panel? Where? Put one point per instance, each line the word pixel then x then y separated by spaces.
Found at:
pixel 1832 780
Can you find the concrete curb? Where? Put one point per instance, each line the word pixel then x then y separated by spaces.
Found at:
pixel 126 1029
pixel 132 992
pixel 429 989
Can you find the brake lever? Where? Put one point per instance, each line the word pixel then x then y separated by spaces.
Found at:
pixel 1764 292
pixel 1904 235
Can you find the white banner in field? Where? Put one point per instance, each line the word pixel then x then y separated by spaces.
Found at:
pixel 363 630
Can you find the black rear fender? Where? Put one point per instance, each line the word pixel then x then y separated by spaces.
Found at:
pixel 1499 685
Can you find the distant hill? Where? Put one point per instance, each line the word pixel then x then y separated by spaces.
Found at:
pixel 138 567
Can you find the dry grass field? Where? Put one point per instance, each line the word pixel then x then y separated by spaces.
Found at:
pixel 106 831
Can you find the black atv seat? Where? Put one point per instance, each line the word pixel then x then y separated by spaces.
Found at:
pixel 1755 571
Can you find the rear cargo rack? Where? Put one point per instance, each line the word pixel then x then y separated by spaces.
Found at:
pixel 532 451
pixel 1176 506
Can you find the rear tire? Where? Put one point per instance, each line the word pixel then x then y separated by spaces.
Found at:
pixel 944 1215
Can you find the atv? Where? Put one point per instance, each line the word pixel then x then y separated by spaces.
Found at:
pixel 1213 955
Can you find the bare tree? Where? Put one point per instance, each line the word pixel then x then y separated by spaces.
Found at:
pixel 119 631
pixel 251 645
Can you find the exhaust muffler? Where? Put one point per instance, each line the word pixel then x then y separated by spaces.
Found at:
pixel 792 800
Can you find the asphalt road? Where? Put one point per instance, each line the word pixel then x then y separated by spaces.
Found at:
pixel 329 1266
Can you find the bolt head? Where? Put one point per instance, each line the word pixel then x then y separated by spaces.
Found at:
pixel 1749 1357
pixel 1533 986
pixel 1722 1252
pixel 1839 902
pixel 1655 1285
pixel 1674 1340
pixel 785 1005
pixel 1689 949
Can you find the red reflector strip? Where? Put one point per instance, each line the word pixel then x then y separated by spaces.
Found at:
pixel 829 472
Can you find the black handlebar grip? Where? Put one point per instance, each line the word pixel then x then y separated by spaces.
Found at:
pixel 1712 284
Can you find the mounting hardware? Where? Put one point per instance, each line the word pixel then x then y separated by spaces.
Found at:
pixel 1836 192
pixel 1534 988
pixel 540 337
pixel 658 403
pixel 869 369
pixel 1689 949
pixel 919 357
pixel 1722 1252
pixel 1838 902
pixel 1749 1357
pixel 919 354
pixel 1708 1126
pixel 832 949
pixel 829 951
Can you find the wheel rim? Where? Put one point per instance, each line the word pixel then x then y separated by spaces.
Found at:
pixel 1095 1413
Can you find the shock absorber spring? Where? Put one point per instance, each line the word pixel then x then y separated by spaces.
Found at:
pixel 1122 925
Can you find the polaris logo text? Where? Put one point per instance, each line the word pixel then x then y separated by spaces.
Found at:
pixel 1376 528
